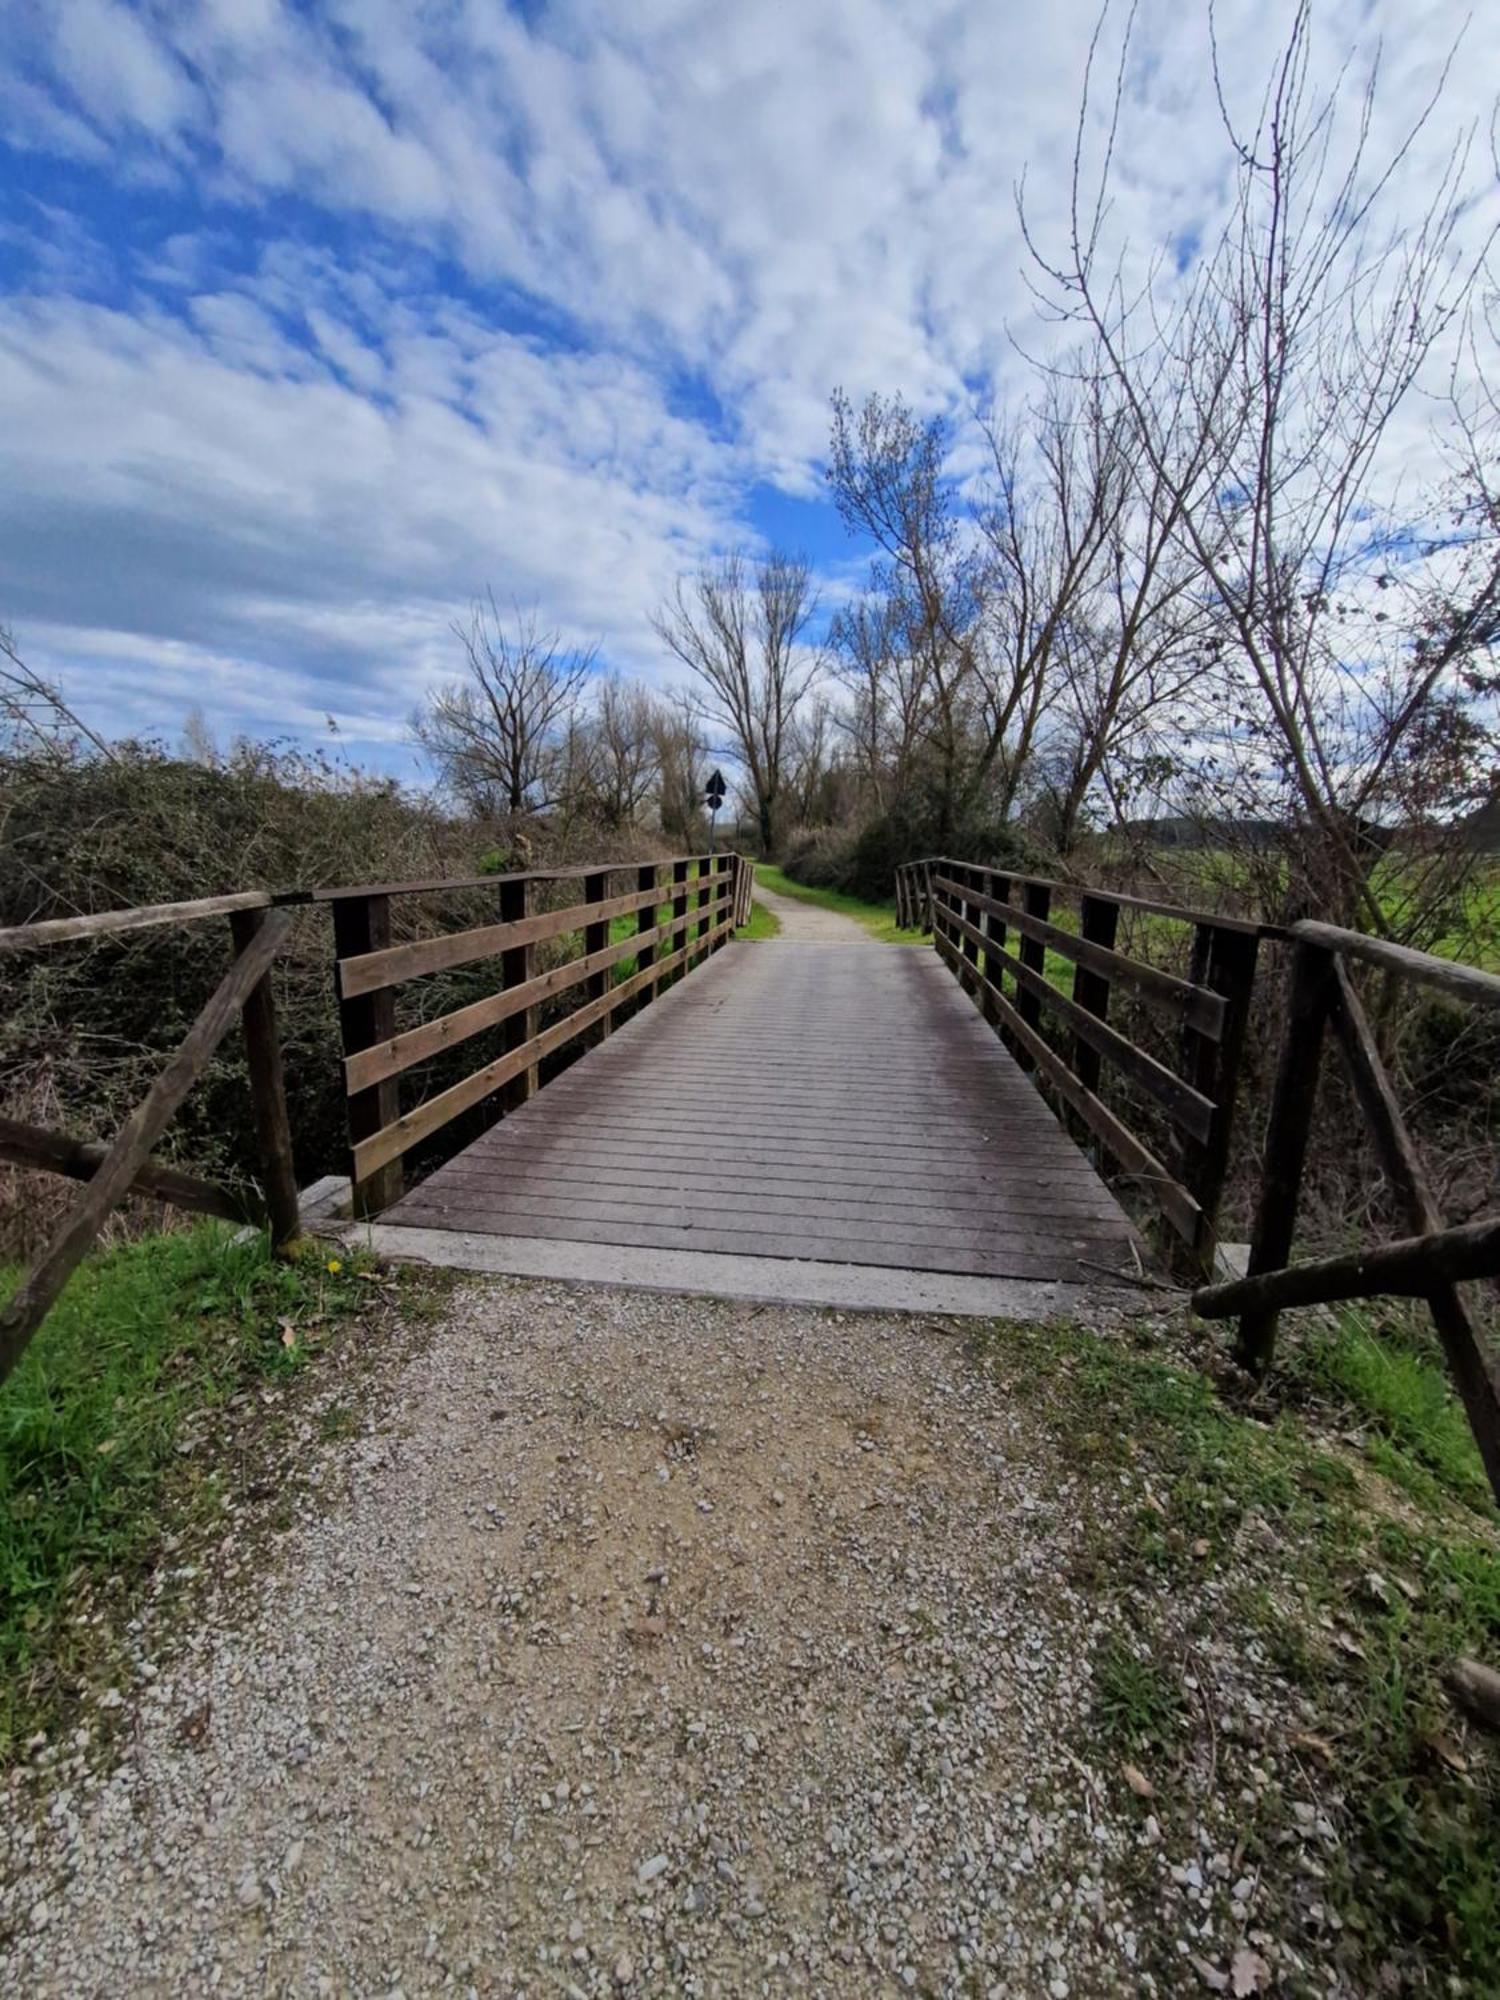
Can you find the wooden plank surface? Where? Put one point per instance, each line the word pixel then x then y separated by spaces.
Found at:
pixel 835 1102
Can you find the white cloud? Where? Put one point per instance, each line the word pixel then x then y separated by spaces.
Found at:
pixel 669 231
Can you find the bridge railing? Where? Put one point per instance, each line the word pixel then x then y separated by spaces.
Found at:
pixel 978 913
pixel 683 910
pixel 258 931
pixel 1433 1260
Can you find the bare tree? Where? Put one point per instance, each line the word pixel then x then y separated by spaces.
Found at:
pixel 612 761
pixel 738 629
pixel 33 710
pixel 1261 407
pixel 681 751
pixel 497 734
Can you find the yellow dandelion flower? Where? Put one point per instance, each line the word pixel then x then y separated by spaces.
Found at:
pixel 334 1264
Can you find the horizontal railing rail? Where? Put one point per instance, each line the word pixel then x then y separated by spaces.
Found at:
pixel 684 908
pixel 975 912
pixel 704 897
pixel 1433 1259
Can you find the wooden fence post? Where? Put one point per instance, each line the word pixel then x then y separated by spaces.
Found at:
pixel 969 912
pixel 645 954
pixel 1099 922
pixel 1287 1131
pixel 704 877
pixel 679 911
pixel 363 924
pixel 273 1130
pixel 1037 900
pixel 596 938
pixel 1223 960
pixel 517 966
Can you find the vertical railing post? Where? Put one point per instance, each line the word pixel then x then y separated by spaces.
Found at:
pixel 273 1129
pixel 1037 900
pixel 998 888
pixel 705 867
pixel 901 923
pixel 645 954
pixel 363 924
pixel 927 897
pixel 1287 1130
pixel 1099 922
pixel 969 879
pixel 596 938
pixel 517 966
pixel 1224 961
pixel 679 910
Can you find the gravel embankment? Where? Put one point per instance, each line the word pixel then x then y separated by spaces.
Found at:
pixel 654 1645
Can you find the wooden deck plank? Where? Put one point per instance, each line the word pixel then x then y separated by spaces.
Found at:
pixel 842 1103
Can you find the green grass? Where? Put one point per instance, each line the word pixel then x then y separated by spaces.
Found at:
pixel 1220 1528
pixel 99 1433
pixel 1386 1370
pixel 879 919
pixel 762 924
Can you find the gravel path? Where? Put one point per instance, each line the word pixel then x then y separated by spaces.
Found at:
pixel 806 923
pixel 643 1645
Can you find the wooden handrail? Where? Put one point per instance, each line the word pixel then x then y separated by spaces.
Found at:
pixel 106 923
pixel 124 1160
pixel 706 894
pixel 1432 1259
pixel 971 908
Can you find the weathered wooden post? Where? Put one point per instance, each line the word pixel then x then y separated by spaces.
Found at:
pixel 1037 900
pixel 596 938
pixel 645 921
pixel 679 912
pixel 362 924
pixel 1292 1103
pixel 1099 922
pixel 517 966
pixel 1224 960
pixel 273 1130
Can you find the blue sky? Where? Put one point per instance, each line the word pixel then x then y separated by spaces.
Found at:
pixel 316 319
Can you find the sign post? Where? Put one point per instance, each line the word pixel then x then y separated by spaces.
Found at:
pixel 713 798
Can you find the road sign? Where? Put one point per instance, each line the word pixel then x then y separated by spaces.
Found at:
pixel 715 789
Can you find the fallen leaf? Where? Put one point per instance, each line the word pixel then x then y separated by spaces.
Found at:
pixel 108 1446
pixel 1377 1587
pixel 1200 1548
pixel 1347 1643
pixel 1154 1504
pixel 1316 1746
pixel 1138 1782
pixel 288 1334
pixel 1446 1750
pixel 1248 1973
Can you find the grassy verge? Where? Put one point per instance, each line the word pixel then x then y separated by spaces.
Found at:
pixel 879 919
pixel 1275 1593
pixel 762 924
pixel 112 1432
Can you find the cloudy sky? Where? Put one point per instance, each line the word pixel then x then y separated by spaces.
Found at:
pixel 316 318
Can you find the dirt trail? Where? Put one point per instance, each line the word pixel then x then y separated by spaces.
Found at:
pixel 653 1645
pixel 805 923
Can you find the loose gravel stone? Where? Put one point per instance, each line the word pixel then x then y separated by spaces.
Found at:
pixel 682 1645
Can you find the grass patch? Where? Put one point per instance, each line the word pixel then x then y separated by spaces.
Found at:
pixel 105 1429
pixel 763 923
pixel 1387 1372
pixel 1244 1558
pixel 879 919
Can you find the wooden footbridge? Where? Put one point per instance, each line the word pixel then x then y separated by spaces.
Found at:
pixel 822 1104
